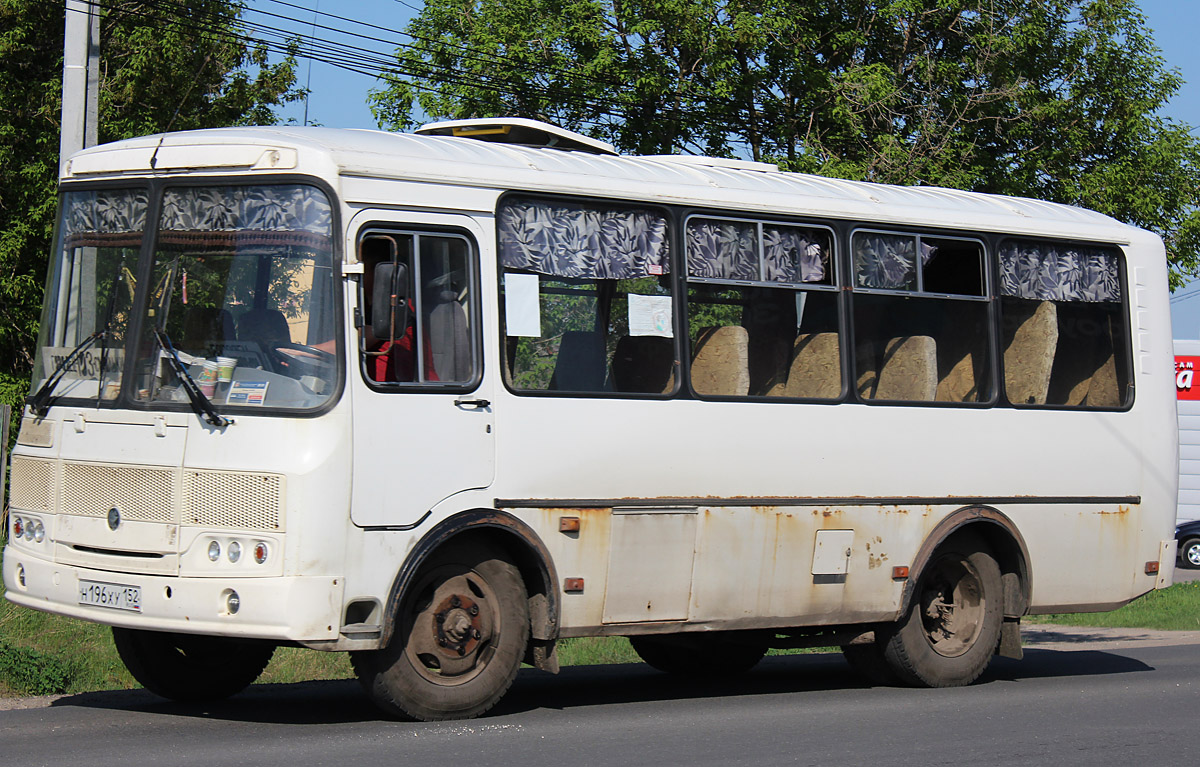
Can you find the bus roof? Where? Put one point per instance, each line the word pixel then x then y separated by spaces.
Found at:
pixel 343 155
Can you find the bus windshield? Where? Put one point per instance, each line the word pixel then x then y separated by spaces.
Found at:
pixel 240 290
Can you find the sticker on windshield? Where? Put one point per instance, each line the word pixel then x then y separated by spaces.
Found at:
pixel 247 393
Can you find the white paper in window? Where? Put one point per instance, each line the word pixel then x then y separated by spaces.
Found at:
pixel 650 316
pixel 522 305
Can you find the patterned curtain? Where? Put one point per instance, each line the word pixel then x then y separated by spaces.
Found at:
pixel 104 217
pixel 725 250
pixel 888 261
pixel 792 255
pixel 1048 271
pixel 275 208
pixel 728 250
pixel 571 240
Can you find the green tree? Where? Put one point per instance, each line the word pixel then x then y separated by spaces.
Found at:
pixel 1054 99
pixel 165 65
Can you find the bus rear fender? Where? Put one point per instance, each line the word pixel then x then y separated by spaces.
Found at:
pixel 1008 547
pixel 524 549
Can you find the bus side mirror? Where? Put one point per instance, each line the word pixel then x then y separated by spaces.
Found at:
pixel 389 301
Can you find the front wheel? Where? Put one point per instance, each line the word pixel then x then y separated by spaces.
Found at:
pixel 953 625
pixel 190 668
pixel 460 635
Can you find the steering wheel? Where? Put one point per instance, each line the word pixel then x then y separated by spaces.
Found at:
pixel 297 360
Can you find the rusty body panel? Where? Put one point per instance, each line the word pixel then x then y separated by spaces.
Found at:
pixel 759 566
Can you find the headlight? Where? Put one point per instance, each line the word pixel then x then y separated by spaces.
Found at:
pixel 39 531
pixel 214 551
pixel 235 551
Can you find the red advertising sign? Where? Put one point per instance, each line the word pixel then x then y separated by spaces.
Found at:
pixel 1185 368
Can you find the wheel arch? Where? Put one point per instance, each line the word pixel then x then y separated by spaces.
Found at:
pixel 1001 535
pixel 499 528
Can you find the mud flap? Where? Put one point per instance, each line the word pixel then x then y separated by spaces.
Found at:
pixel 1010 639
pixel 543 654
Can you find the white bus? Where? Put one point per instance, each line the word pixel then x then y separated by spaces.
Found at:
pixel 441 400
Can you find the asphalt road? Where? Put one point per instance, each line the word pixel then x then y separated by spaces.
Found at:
pixel 1086 706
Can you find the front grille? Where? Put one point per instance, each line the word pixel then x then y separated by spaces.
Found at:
pixel 236 500
pixel 142 494
pixel 215 499
pixel 31 484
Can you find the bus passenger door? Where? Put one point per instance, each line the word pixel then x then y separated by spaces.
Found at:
pixel 423 425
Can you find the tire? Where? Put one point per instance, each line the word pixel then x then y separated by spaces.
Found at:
pixel 189 668
pixel 460 634
pixel 702 655
pixel 1189 553
pixel 953 626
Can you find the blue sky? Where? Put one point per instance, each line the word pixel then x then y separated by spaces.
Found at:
pixel 339 98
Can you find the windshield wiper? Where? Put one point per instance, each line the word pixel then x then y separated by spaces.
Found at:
pixel 39 401
pixel 200 403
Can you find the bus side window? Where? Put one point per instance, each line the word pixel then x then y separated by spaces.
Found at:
pixel 762 310
pixel 435 346
pixel 1064 332
pixel 920 318
pixel 587 304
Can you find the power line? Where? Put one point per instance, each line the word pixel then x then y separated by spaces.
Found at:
pixel 374 63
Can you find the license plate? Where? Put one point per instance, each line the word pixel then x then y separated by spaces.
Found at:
pixel 110 595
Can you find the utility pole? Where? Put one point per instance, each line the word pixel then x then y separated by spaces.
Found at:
pixel 81 78
pixel 80 113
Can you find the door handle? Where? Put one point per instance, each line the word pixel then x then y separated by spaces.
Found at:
pixel 475 403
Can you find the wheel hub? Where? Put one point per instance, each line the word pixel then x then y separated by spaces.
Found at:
pixel 457 628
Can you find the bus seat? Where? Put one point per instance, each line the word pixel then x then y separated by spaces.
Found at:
pixel 959 353
pixel 1085 370
pixel 449 338
pixel 581 364
pixel 644 364
pixel 720 363
pixel 815 371
pixel 1029 353
pixel 266 327
pixel 1103 389
pixel 908 370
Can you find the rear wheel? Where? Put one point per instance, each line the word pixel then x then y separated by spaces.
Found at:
pixel 459 638
pixel 953 625
pixel 190 668
pixel 699 654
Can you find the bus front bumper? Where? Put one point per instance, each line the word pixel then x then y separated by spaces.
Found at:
pixel 288 608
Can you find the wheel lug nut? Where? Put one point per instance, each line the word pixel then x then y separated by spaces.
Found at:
pixel 474 610
pixel 440 618
pixel 475 634
pixel 441 641
pixel 455 601
pixel 462 651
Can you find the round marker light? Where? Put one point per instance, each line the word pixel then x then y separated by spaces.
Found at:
pixel 39 532
pixel 260 552
pixel 233 603
pixel 214 551
pixel 235 551
pixel 18 527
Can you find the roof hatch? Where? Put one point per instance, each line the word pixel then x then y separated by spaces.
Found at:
pixel 519 131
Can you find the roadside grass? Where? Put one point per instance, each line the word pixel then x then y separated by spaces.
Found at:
pixel 1174 609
